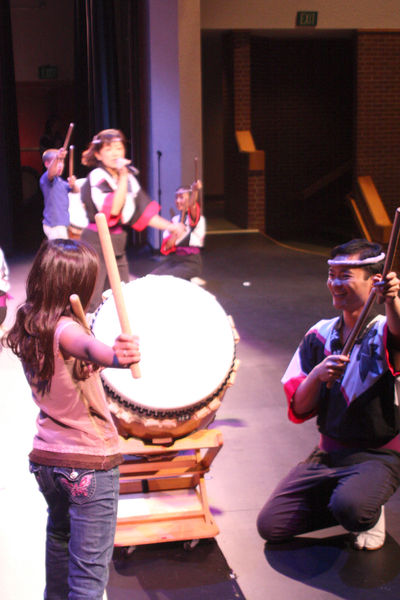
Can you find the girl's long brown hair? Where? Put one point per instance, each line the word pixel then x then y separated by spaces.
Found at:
pixel 60 268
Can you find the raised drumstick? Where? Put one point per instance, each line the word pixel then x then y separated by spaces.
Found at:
pixel 71 161
pixel 115 281
pixel 67 137
pixel 196 177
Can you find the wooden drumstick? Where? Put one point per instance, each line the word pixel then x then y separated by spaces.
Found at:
pixel 79 313
pixel 115 281
pixel 71 161
pixel 78 310
pixel 196 177
pixel 391 250
pixel 67 137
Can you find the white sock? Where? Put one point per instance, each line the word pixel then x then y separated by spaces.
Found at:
pixel 373 538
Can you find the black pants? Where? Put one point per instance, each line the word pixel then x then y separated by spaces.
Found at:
pixel 185 267
pixel 347 488
pixel 118 241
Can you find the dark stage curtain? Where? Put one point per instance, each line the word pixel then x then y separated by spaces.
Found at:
pixel 10 167
pixel 108 69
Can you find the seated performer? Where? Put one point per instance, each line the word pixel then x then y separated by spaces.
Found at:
pixel 184 252
pixel 355 469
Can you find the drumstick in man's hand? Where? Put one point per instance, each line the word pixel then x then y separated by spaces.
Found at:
pixel 115 281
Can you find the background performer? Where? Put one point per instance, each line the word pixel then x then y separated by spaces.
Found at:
pixel 55 194
pixel 184 253
pixel 112 188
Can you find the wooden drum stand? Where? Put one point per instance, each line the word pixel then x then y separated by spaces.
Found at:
pixel 163 495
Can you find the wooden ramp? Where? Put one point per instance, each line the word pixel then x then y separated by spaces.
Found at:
pixel 369 211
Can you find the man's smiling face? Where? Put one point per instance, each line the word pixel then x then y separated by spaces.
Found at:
pixel 350 286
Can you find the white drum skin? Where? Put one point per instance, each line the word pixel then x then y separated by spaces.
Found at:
pixel 187 347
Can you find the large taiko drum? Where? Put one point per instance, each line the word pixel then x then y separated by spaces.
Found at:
pixel 188 358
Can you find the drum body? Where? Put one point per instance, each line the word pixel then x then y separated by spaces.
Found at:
pixel 77 214
pixel 188 358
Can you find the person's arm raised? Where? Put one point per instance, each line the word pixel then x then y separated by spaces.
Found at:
pixel 52 169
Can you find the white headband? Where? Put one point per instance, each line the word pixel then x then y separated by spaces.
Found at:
pixel 357 263
pixel 116 138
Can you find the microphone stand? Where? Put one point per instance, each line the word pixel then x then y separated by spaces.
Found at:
pixel 159 154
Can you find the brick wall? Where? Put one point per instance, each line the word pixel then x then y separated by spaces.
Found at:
pixel 256 200
pixel 313 105
pixel 242 80
pixel 302 113
pixel 244 188
pixel 300 110
pixel 377 130
pixel 235 193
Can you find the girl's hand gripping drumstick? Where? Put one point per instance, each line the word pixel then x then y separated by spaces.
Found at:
pixel 115 281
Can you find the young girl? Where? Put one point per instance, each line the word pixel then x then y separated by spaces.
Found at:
pixel 112 188
pixel 184 254
pixel 75 454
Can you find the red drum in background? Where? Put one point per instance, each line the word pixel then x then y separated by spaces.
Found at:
pixel 188 358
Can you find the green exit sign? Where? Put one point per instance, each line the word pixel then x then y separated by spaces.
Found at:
pixel 307 18
pixel 47 72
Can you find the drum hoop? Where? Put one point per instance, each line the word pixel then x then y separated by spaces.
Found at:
pixel 181 414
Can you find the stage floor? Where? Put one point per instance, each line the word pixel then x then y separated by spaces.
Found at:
pixel 274 293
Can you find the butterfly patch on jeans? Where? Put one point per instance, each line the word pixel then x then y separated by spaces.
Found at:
pixel 81 489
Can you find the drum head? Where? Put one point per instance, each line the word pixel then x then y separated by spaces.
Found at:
pixel 186 343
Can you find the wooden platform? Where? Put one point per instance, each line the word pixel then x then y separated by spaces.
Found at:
pixel 163 495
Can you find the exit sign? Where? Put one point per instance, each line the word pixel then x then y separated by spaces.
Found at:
pixel 47 72
pixel 307 18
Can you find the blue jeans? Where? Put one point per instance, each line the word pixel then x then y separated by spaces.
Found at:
pixel 82 514
pixel 346 488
